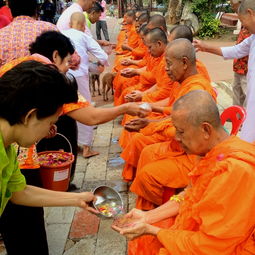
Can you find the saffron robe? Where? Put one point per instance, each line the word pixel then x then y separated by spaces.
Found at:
pixel 217 214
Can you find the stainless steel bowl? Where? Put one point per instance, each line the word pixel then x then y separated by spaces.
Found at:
pixel 109 198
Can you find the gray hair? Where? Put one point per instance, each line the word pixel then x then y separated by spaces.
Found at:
pixel 182 48
pixel 199 107
pixel 245 5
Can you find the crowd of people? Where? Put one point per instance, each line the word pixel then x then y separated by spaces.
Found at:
pixel 172 136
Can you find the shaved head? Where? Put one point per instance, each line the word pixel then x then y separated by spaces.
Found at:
pixel 245 5
pixel 156 35
pixel 181 31
pixel 180 48
pixel 130 13
pixel 199 107
pixel 143 29
pixel 144 18
pixel 157 21
pixel 78 17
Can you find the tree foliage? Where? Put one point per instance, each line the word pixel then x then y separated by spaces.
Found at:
pixel 206 11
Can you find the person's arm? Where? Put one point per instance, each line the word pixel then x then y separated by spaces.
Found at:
pixel 205 47
pixel 93 116
pixel 238 51
pixel 38 197
pixel 94 48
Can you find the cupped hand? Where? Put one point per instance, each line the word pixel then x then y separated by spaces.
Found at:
pixel 136 125
pixel 132 232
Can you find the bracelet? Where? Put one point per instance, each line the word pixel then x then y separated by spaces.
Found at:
pixel 176 198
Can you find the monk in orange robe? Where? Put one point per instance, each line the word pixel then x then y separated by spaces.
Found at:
pixel 181 31
pixel 157 132
pixel 215 214
pixel 156 21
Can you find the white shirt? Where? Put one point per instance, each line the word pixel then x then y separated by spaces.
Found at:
pixel 64 20
pixel 245 48
pixel 84 45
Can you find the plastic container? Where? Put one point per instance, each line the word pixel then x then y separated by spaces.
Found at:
pixel 55 168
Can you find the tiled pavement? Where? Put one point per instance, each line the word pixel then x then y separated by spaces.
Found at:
pixel 72 231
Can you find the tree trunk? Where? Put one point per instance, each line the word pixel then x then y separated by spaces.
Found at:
pixel 174 12
pixel 140 3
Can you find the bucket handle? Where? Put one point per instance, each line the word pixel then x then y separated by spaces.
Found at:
pixel 66 141
pixel 70 146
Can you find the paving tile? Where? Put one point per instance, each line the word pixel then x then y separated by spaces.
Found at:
pixel 57 236
pixel 115 148
pixel 114 175
pixel 92 184
pixel 109 242
pixel 84 223
pixel 81 161
pixel 83 247
pixel 78 179
pixel 58 215
pixel 96 170
pixel 102 140
pixel 69 244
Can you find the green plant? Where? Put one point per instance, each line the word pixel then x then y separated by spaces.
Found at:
pixel 209 26
pixel 206 11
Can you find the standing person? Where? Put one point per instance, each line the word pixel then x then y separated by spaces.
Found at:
pixel 246 14
pixel 49 11
pixel 83 45
pixel 92 16
pixel 31 99
pixel 102 24
pixel 16 38
pixel 79 6
pixel 240 66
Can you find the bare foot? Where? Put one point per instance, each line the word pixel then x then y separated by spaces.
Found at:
pixel 87 152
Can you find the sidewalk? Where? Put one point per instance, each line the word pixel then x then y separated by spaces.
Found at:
pixel 72 231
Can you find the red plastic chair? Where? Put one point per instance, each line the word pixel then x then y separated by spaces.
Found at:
pixel 236 114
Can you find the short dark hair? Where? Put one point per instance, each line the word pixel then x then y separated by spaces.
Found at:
pixel 46 43
pixel 23 7
pixel 33 85
pixel 96 8
pixel 182 31
pixel 157 34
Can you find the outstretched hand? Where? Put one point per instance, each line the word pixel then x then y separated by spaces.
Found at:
pixel 135 109
pixel 134 96
pixel 199 45
pixel 136 125
pixel 129 72
pixel 84 199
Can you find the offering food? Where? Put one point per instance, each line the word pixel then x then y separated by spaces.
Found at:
pixel 54 158
pixel 145 106
pixel 110 209
pixel 109 202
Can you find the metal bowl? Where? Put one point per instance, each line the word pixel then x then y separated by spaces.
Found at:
pixel 109 202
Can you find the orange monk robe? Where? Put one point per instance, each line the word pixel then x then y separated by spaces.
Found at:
pixel 146 78
pixel 164 85
pixel 137 53
pixel 125 136
pixel 157 132
pixel 217 214
pixel 132 41
pixel 119 80
pixel 122 36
